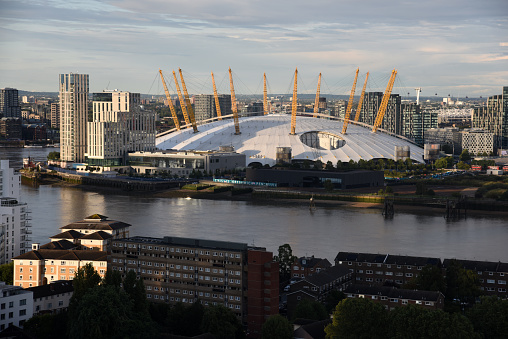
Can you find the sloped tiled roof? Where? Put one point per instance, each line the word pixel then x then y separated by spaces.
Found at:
pixel 96 224
pixel 313 262
pixel 70 234
pixel 327 276
pixel 392 292
pixel 99 235
pixel 314 330
pixel 45 254
pixel 360 257
pixel 57 287
pixel 414 261
pixel 59 245
pixel 491 266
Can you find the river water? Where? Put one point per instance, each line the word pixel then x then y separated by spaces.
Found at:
pixel 323 232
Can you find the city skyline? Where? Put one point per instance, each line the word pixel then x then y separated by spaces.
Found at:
pixel 457 48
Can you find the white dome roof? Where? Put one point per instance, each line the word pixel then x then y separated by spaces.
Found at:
pixel 260 135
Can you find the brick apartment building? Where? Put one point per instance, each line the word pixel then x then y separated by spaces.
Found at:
pixel 383 269
pixel 492 275
pixel 305 266
pixel 391 297
pixel 245 279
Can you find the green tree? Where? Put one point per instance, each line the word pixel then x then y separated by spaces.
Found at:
pixel 358 318
pixel 318 164
pixel 105 312
pixel 113 278
pixel 306 164
pixel 430 278
pixel 329 166
pixel 277 327
pixel 222 323
pixel 463 166
pixel 413 321
pixel 7 273
pixel 461 284
pixel 285 260
pixel 310 309
pixel 85 278
pixel 465 156
pixel 54 156
pixel 332 299
pixel 47 326
pixel 490 317
pixel 182 319
pixel 135 289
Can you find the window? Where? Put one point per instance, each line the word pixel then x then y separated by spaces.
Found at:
pixel 404 302
pixel 501 282
pixel 429 303
pixel 394 300
pixel 22 312
pixel 491 281
pixel 368 272
pixel 22 302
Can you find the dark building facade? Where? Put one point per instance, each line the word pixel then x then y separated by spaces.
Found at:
pixel 494 118
pixel 242 278
pixel 10 129
pixel 205 108
pixel 310 178
pixel 9 103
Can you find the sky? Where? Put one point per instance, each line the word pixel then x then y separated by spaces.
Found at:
pixel 452 47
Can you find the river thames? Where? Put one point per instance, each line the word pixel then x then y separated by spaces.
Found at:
pixel 323 232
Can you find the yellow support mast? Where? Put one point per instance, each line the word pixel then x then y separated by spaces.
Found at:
pixel 182 102
pixel 217 105
pixel 233 103
pixel 265 95
pixel 316 102
pixel 350 104
pixel 170 103
pixel 188 103
pixel 359 108
pixel 293 108
pixel 384 103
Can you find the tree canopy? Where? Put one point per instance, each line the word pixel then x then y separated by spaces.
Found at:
pixel 277 327
pixel 310 309
pixel 285 260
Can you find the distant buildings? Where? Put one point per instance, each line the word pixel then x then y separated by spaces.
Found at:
pixel 494 118
pixel 14 215
pixel 305 266
pixel 244 279
pixel 120 124
pixel 9 103
pixel 73 93
pixel 475 140
pixel 10 128
pixel 205 107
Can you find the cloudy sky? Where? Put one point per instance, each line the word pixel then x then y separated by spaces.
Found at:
pixel 457 47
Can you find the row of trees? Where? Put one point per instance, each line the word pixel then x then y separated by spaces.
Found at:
pixel 362 318
pixel 117 308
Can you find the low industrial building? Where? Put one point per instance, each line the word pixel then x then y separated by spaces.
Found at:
pixel 182 163
pixel 286 177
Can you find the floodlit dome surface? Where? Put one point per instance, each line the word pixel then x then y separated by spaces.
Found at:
pixel 261 135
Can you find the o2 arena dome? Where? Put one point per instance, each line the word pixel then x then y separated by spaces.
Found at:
pixel 315 139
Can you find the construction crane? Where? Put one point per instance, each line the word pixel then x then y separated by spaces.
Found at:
pixel 350 104
pixel 233 103
pixel 180 99
pixel 170 103
pixel 360 103
pixel 316 102
pixel 217 105
pixel 384 102
pixel 293 109
pixel 190 110
pixel 265 99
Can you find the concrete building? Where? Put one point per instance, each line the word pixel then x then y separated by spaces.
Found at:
pixel 120 125
pixel 43 266
pixel 477 141
pixel 392 121
pixel 98 223
pixel 73 94
pixel 494 118
pixel 379 269
pixel 182 163
pixel 14 215
pixel 416 121
pixel 444 136
pixel 391 297
pixel 205 107
pixel 10 129
pixel 52 298
pixel 55 115
pixel 16 305
pixel 245 279
pixel 9 103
